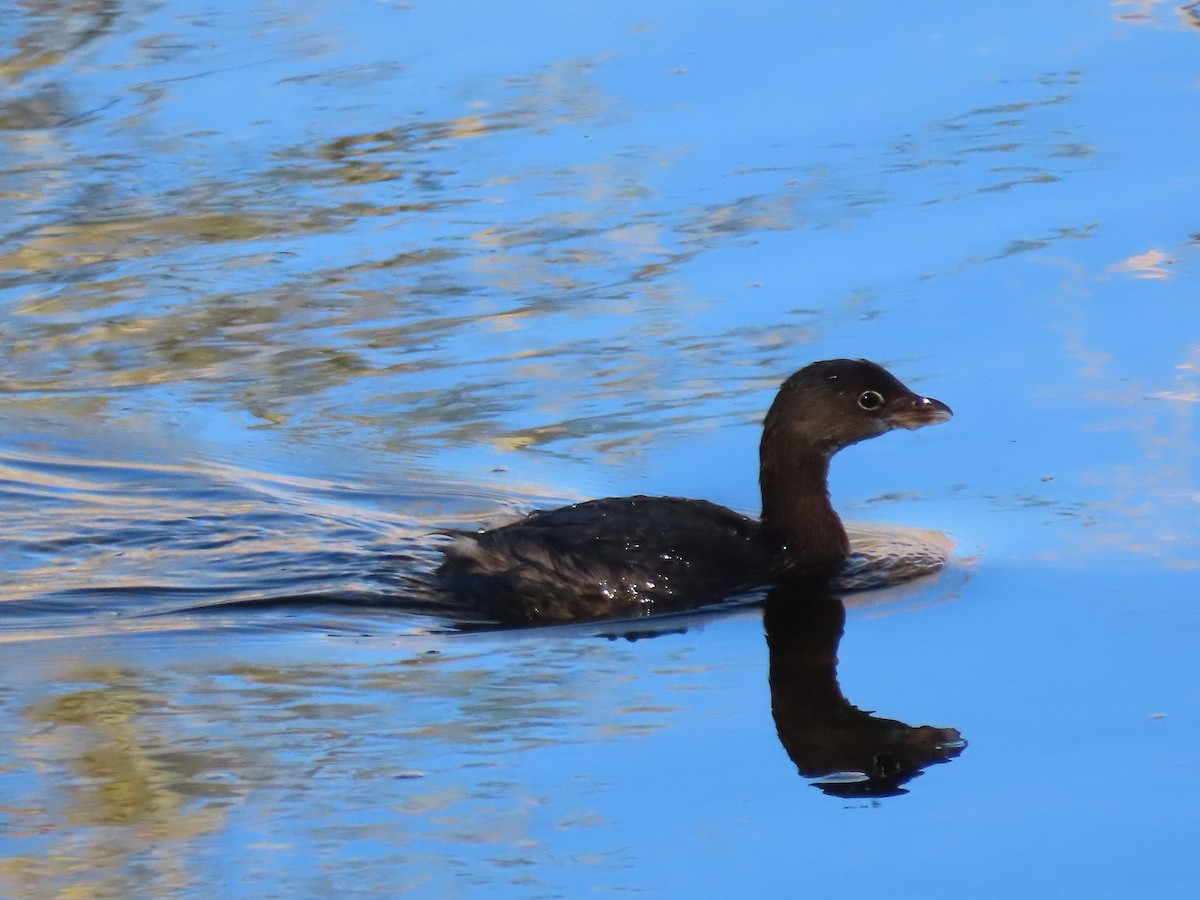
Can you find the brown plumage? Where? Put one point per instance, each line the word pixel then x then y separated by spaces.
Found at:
pixel 624 557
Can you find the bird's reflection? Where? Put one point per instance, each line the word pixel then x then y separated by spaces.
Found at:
pixel 845 751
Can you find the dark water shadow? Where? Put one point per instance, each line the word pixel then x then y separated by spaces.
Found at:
pixel 845 751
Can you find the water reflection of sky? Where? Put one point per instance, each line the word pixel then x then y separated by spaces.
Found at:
pixel 284 287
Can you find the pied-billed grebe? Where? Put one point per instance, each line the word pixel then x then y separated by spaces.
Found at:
pixel 635 556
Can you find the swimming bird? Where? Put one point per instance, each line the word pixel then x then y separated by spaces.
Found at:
pixel 626 557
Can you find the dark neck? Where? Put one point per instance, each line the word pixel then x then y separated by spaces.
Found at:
pixel 796 510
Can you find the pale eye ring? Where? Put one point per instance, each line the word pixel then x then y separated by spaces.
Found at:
pixel 870 400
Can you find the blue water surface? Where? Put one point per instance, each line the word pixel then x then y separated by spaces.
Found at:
pixel 287 288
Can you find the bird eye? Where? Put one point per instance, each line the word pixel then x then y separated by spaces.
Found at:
pixel 870 400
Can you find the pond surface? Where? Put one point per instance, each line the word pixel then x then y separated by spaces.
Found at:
pixel 286 288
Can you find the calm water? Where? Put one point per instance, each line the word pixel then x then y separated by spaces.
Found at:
pixel 284 288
